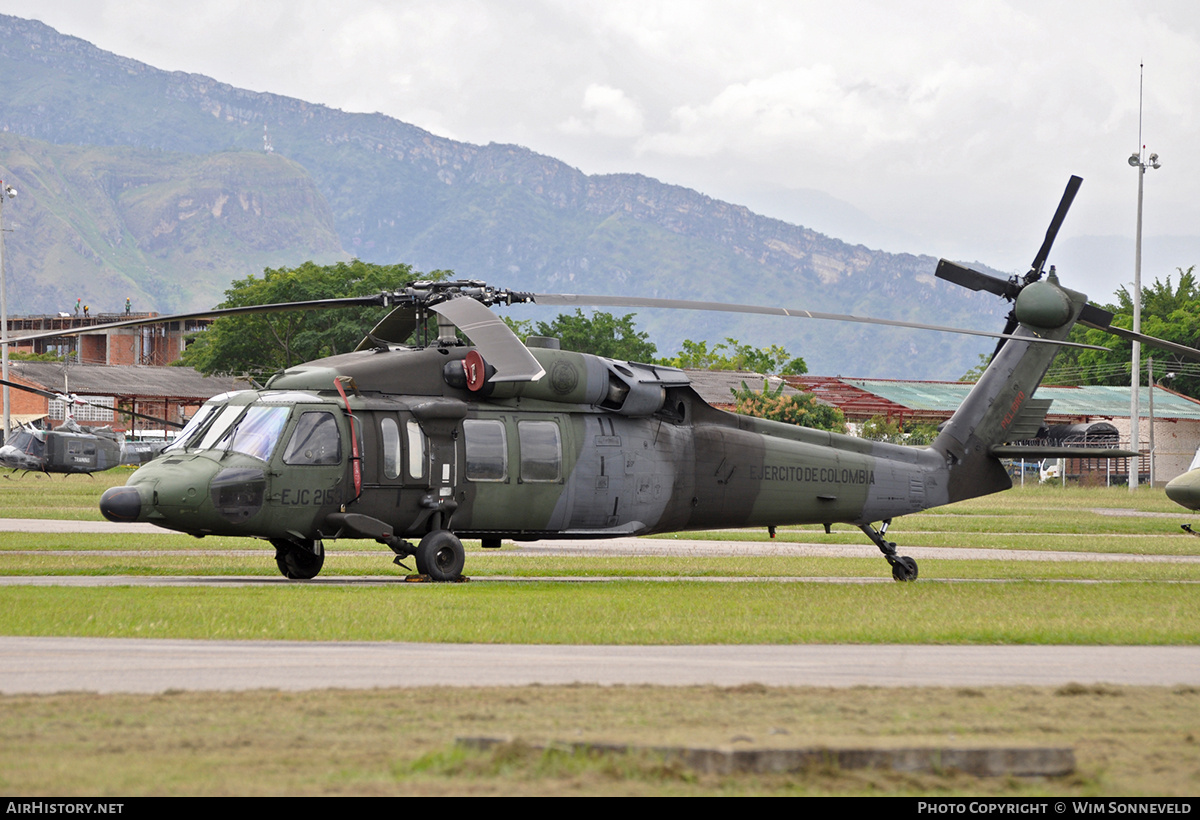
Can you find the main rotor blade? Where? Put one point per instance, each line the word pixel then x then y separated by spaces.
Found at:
pixel 35 390
pixel 499 345
pixel 77 400
pixel 1162 344
pixel 374 300
pixel 1064 205
pixel 578 300
pixel 154 419
pixel 396 327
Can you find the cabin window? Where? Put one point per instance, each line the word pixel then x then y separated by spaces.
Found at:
pixel 487 449
pixel 416 450
pixel 316 440
pixel 81 447
pixel 390 433
pixel 541 451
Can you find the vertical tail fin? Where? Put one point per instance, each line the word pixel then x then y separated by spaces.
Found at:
pixel 985 419
pixel 987 416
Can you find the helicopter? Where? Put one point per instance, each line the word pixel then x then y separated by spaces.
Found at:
pixel 1184 489
pixel 419 437
pixel 72 447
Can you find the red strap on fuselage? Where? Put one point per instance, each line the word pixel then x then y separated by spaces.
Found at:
pixel 355 458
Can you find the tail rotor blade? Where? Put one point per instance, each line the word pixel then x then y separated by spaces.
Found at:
pixel 1064 205
pixel 974 280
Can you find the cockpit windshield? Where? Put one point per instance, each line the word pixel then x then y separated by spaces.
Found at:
pixel 257 432
pixel 220 425
pixel 253 424
pixel 27 442
pixel 192 428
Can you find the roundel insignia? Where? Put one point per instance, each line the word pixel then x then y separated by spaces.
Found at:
pixel 563 378
pixel 475 369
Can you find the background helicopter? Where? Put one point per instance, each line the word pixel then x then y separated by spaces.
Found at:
pixel 1184 489
pixel 496 439
pixel 72 447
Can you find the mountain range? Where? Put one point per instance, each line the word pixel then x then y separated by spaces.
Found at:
pixel 164 187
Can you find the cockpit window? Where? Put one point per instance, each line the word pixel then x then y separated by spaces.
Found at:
pixel 193 427
pixel 256 433
pixel 27 443
pixel 219 427
pixel 315 441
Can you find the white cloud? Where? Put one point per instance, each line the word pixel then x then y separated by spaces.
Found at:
pixel 607 111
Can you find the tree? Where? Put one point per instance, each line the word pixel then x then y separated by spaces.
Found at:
pixel 733 355
pixel 879 428
pixel 264 343
pixel 976 373
pixel 797 408
pixel 600 334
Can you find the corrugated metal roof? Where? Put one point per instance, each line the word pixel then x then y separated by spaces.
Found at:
pixel 715 386
pixel 932 396
pixel 1089 400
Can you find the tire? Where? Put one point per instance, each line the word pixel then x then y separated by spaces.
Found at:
pixel 299 562
pixel 905 569
pixel 440 555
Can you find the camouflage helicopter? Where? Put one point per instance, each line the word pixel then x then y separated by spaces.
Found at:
pixel 1184 490
pixel 440 440
pixel 72 447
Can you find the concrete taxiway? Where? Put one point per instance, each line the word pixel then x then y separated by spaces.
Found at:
pixel 46 665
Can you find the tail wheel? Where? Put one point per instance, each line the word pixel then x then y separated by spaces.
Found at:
pixel 904 569
pixel 440 555
pixel 298 560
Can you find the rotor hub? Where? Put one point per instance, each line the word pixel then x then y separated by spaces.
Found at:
pixel 1043 305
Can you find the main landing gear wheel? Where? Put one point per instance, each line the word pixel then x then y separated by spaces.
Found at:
pixel 904 568
pixel 298 561
pixel 440 555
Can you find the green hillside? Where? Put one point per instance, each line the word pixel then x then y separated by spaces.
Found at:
pixel 166 230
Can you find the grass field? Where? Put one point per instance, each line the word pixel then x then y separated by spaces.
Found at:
pixel 1127 740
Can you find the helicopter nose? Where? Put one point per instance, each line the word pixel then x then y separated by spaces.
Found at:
pixel 1184 490
pixel 121 504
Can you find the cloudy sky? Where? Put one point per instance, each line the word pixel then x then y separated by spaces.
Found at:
pixel 947 128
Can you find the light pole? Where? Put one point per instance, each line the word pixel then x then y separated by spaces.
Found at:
pixel 7 192
pixel 1135 372
pixel 1136 369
